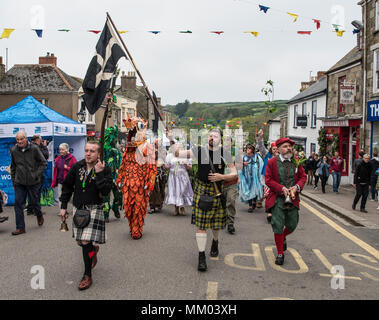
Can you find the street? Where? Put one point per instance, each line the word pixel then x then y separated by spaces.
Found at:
pixel 163 264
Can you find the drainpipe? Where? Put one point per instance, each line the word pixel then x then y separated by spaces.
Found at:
pixel 364 75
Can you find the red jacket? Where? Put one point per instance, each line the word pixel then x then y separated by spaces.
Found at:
pixel 336 164
pixel 272 182
pixel 71 161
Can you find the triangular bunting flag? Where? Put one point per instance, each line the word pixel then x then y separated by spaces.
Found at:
pixel 304 32
pixel 38 32
pixel 217 32
pixel 121 32
pixel 318 23
pixel 254 33
pixel 94 31
pixel 340 33
pixel 294 16
pixel 64 30
pixel 155 32
pixel 355 31
pixel 336 27
pixel 6 33
pixel 188 31
pixel 263 8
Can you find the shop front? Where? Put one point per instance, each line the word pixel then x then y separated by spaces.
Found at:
pixel 348 134
pixel 373 117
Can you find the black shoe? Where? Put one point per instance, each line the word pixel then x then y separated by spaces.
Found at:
pixel 250 210
pixel 231 228
pixel 29 213
pixel 202 262
pixel 117 214
pixel 214 249
pixel 364 210
pixel 279 259
pixel 269 219
pixel 285 245
pixel 353 206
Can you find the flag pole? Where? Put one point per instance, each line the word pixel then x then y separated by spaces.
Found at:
pixel 135 67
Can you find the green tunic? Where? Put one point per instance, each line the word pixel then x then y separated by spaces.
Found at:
pixel 283 217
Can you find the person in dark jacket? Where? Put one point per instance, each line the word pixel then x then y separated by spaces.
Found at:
pixel 90 180
pixel 323 172
pixel 374 176
pixel 316 161
pixel 362 178
pixel 310 165
pixel 42 145
pixel 27 167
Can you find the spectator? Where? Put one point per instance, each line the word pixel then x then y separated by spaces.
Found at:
pixel 27 167
pixel 315 167
pixel 323 172
pixel 336 164
pixel 362 181
pixel 62 166
pixel 374 176
pixel 358 161
pixel 310 168
pixel 42 145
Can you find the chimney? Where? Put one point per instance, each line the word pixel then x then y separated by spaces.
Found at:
pixel 129 81
pixel 2 69
pixel 321 74
pixel 48 59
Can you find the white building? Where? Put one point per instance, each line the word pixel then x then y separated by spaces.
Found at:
pixel 304 110
pixel 273 129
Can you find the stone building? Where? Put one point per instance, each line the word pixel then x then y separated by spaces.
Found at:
pixel 344 108
pixel 284 124
pixel 369 31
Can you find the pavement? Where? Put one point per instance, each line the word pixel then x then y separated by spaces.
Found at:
pixel 341 204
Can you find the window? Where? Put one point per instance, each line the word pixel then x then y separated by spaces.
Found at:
pixel 314 114
pixel 304 109
pixel 376 71
pixel 43 101
pixel 90 118
pixel 341 81
pixel 295 116
pixel 313 147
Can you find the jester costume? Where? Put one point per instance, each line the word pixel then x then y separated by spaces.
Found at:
pixel 112 156
pixel 136 176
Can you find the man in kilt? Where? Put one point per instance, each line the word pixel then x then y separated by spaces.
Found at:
pixel 90 180
pixel 285 180
pixel 215 218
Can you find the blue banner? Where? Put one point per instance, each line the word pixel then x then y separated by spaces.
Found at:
pixel 373 111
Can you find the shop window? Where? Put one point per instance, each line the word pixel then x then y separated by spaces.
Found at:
pixel 313 147
pixel 376 71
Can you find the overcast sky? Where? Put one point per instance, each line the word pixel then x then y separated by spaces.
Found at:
pixel 202 66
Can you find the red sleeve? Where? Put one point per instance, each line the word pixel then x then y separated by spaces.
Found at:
pixel 271 178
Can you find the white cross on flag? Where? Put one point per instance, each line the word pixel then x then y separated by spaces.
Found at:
pixel 101 69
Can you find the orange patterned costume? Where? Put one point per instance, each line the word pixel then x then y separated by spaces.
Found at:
pixel 136 176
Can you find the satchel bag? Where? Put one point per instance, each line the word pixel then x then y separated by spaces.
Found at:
pixel 81 218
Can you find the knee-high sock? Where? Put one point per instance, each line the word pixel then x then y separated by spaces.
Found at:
pixel 286 232
pixel 88 252
pixel 201 239
pixel 279 242
pixel 215 234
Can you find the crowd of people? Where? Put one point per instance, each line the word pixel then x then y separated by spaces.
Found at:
pixel 211 178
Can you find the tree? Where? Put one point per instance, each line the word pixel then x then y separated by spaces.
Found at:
pixel 181 108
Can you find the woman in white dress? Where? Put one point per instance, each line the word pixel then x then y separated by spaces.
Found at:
pixel 179 189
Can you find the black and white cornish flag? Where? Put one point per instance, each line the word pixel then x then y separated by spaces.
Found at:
pixel 101 68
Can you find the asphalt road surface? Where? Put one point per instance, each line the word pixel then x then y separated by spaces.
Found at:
pixel 163 264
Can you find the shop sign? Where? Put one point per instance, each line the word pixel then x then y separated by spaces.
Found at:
pixel 373 110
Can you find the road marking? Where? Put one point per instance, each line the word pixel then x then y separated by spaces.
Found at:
pixel 329 266
pixel 370 276
pixel 348 257
pixel 303 268
pixel 212 290
pixel 347 234
pixel 256 255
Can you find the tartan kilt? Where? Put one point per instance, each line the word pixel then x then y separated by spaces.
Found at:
pixel 95 231
pixel 215 218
